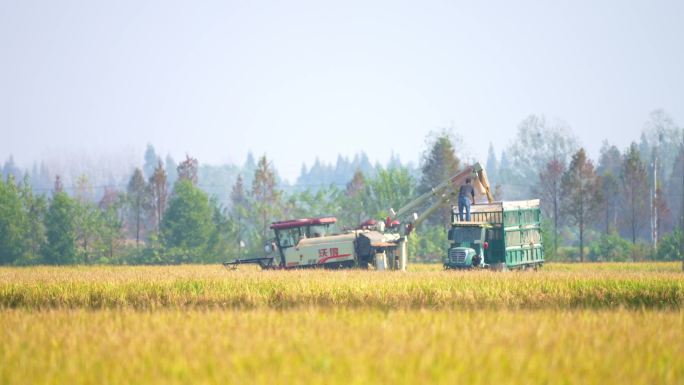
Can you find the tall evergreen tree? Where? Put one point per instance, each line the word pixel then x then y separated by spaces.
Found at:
pixel 675 189
pixel 110 231
pixel 158 194
pixel 187 170
pixel 239 212
pixel 438 164
pixel 138 202
pixel 35 208
pixel 610 170
pixel 355 209
pixel 266 197
pixel 171 170
pixel 151 160
pixel 12 223
pixel 86 220
pixel 634 191
pixel 61 231
pixel 220 243
pixel 581 193
pixel 492 166
pixel 10 169
pixel 550 190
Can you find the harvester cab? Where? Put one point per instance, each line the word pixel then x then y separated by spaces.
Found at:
pixel 468 245
pixel 312 241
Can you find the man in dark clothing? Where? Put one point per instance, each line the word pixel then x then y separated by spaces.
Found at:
pixel 465 194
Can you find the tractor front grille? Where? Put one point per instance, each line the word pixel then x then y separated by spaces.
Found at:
pixel 457 256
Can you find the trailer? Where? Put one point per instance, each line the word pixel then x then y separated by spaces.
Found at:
pixel 500 235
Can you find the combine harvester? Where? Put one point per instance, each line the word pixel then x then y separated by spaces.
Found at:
pixel 313 242
pixel 383 245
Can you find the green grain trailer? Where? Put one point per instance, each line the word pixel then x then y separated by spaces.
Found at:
pixel 500 235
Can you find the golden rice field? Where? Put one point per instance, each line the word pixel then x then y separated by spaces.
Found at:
pixel 565 324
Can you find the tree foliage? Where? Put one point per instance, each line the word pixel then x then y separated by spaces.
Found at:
pixel 581 195
pixel 537 142
pixel 610 170
pixel 138 203
pixel 439 163
pixel 61 231
pixel 86 222
pixel 187 225
pixel 187 170
pixel 550 192
pixel 389 189
pixel 158 188
pixel 355 210
pixel 634 192
pixel 239 213
pixel 266 204
pixel 12 222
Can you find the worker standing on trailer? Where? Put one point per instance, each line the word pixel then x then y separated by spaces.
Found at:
pixel 465 194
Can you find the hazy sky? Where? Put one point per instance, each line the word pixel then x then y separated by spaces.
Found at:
pixel 300 80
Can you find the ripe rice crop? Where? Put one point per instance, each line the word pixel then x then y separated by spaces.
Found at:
pixel 208 287
pixel 567 323
pixel 341 346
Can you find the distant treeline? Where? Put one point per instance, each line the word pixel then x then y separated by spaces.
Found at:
pixel 625 205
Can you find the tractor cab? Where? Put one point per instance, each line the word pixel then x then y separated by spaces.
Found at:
pixel 468 245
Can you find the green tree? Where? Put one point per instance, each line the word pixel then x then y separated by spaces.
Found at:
pixel 12 223
pixel 492 165
pixel 158 188
pixel 86 220
pixel 581 194
pixel 439 163
pixel 611 247
pixel 428 244
pixel 239 212
pixel 266 198
pixel 151 160
pixel 187 224
pixel 187 170
pixel 550 189
pixel 324 201
pixel 35 209
pixel 138 203
pixel 389 189
pixel 537 142
pixel 354 200
pixel 609 169
pixel 220 243
pixel 110 228
pixel 634 191
pixel 669 247
pixel 60 229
